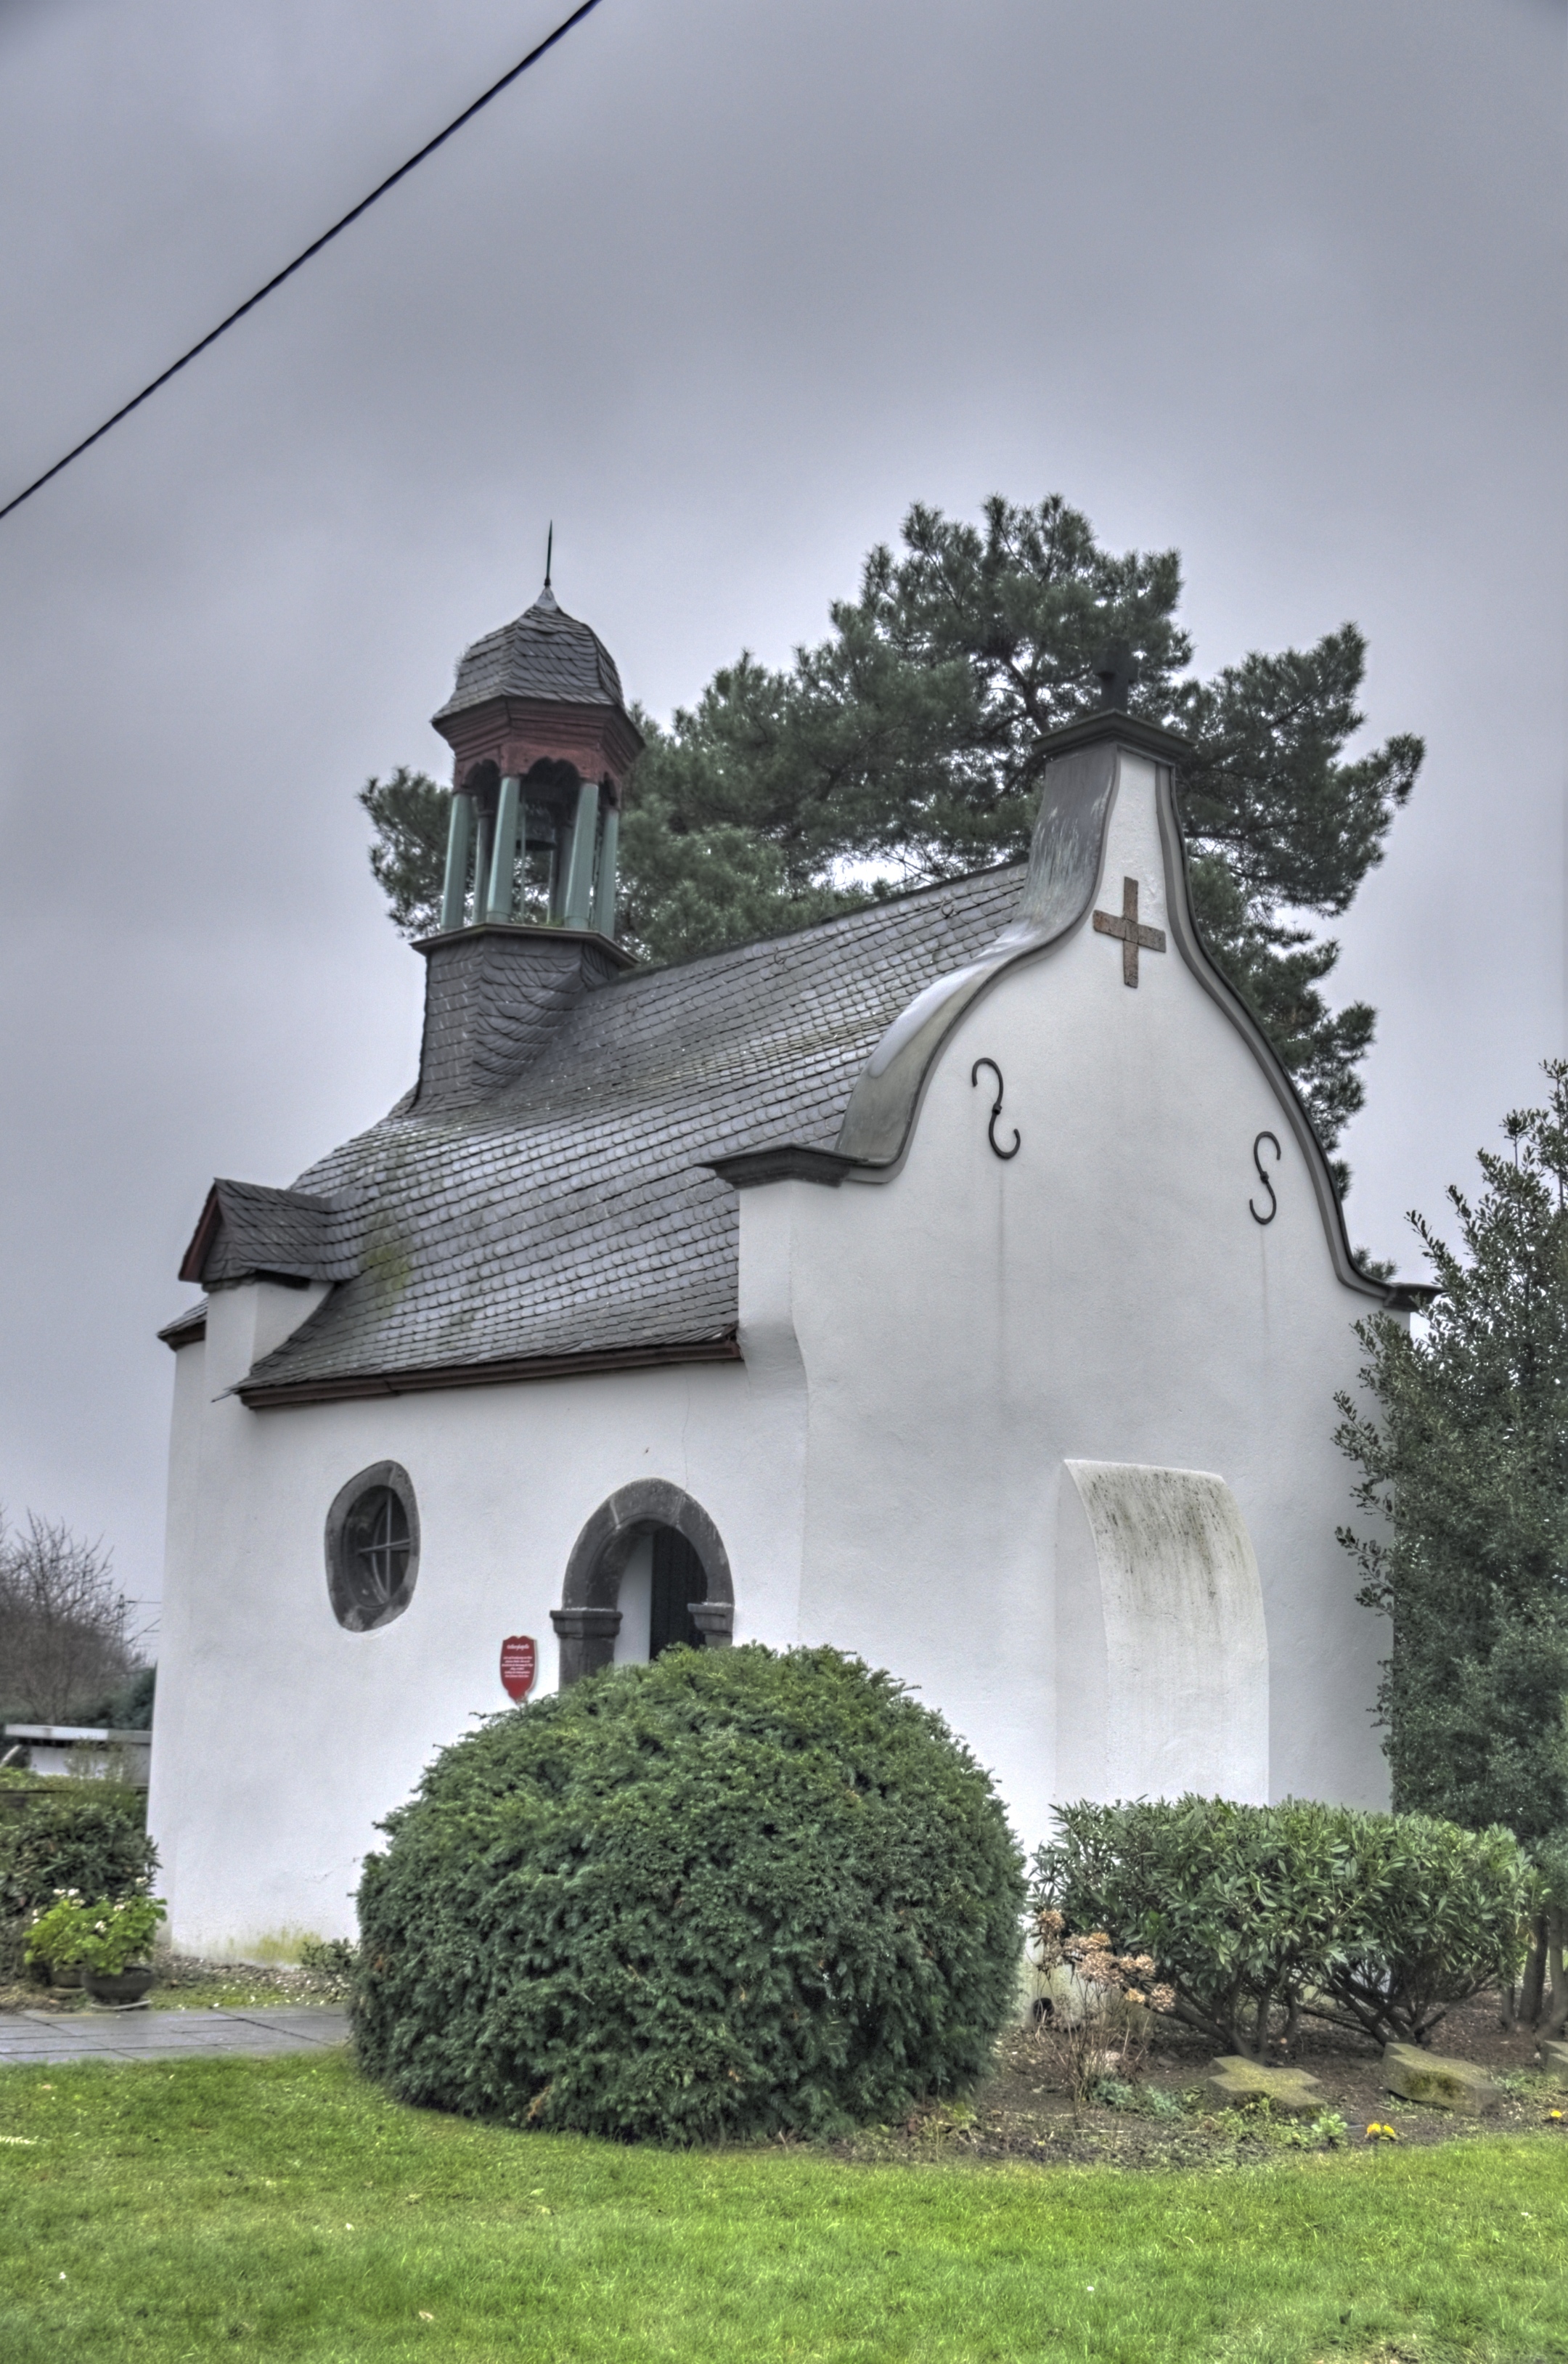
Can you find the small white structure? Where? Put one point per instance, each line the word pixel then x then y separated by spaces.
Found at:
pixel 87 1752
pixel 959 1282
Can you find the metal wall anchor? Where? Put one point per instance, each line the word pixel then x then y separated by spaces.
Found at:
pixel 995 1109
pixel 1257 1160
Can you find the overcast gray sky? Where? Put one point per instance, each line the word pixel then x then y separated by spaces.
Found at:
pixel 720 288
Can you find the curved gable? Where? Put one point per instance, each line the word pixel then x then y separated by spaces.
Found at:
pixel 1065 861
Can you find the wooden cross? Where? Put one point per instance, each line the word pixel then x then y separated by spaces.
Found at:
pixel 1115 669
pixel 1133 937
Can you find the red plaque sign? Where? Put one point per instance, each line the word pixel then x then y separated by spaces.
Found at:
pixel 519 1664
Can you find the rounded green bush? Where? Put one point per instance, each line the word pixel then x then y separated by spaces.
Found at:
pixel 1376 1922
pixel 732 1893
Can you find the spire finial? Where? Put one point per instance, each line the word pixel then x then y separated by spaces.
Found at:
pixel 546 603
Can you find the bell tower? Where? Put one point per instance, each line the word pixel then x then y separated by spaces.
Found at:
pixel 542 747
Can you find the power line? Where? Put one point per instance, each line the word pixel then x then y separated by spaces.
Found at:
pixel 314 248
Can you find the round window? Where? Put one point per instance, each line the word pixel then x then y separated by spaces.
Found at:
pixel 373 1548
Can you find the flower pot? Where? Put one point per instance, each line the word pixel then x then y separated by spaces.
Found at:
pixel 120 1986
pixel 65 1974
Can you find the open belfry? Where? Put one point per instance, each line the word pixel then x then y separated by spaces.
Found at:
pixel 957 1281
pixel 541 746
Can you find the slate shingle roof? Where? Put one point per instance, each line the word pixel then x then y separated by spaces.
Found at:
pixel 261 1230
pixel 186 1327
pixel 573 1213
pixel 544 653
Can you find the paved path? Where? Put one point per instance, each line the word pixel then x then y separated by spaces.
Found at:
pixel 39 2037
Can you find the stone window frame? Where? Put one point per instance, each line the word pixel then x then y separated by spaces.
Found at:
pixel 347 1609
pixel 589 1617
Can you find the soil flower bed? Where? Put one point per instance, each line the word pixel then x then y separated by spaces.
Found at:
pixel 1023 2114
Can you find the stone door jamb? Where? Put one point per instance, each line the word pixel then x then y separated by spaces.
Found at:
pixel 589 1617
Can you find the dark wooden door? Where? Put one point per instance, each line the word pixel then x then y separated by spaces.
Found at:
pixel 678 1577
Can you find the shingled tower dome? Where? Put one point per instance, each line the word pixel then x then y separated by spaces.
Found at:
pixel 542 747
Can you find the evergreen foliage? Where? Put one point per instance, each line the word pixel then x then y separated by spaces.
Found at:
pixel 907 748
pixel 128 1708
pixel 1256 1914
pixel 726 1893
pixel 408 814
pixel 1464 1465
pixel 89 1836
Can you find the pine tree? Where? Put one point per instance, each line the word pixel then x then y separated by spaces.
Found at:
pixel 908 747
pixel 408 814
pixel 1465 1463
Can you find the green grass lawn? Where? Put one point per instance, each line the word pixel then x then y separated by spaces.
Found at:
pixel 284 2207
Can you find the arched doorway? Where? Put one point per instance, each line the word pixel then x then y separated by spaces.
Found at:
pixel 686 1546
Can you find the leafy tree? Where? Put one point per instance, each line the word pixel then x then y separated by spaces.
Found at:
pixel 1465 1462
pixel 908 747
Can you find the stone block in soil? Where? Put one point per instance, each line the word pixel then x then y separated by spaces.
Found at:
pixel 1234 2080
pixel 1554 2060
pixel 1440 2082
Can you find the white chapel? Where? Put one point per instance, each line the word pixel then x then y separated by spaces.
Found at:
pixel 959 1282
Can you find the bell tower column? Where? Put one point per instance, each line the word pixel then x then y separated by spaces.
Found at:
pixel 603 918
pixel 454 889
pixel 580 871
pixel 502 861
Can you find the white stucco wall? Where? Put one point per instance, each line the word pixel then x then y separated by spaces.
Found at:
pixel 281 1738
pixel 970 1325
pixel 923 1356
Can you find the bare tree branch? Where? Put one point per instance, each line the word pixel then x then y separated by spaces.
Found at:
pixel 65 1630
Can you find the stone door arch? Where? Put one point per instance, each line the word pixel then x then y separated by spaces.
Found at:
pixel 589 1616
